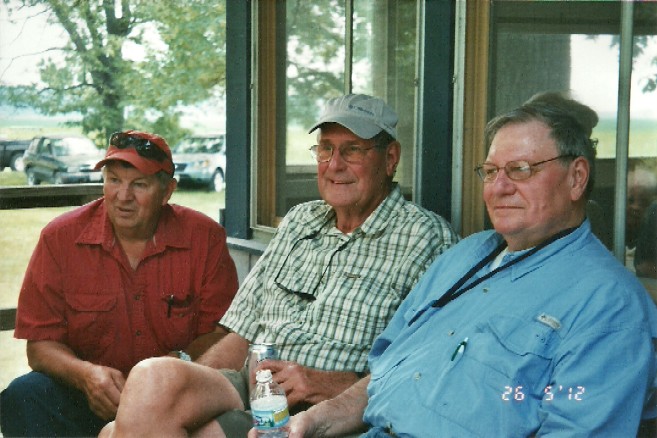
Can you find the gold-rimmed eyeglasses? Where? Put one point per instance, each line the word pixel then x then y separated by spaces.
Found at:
pixel 352 153
pixel 515 170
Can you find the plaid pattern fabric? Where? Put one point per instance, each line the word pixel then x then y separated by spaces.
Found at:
pixel 323 296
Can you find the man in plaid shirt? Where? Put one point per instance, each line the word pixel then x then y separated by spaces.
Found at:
pixel 327 285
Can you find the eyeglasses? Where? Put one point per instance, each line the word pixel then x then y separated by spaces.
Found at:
pixel 350 153
pixel 144 147
pixel 310 289
pixel 515 170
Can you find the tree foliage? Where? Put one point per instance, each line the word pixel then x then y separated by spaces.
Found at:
pixel 183 43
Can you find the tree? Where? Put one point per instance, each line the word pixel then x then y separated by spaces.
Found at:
pixel 184 63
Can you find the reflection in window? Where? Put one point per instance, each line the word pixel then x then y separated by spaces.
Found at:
pixel 73 146
pixel 324 50
pixel 541 46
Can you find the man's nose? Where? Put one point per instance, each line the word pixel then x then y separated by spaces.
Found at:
pixel 337 161
pixel 503 183
pixel 125 192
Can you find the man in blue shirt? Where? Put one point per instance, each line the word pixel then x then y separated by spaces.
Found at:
pixel 530 329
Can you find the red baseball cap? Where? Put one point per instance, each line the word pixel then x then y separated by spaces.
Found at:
pixel 148 153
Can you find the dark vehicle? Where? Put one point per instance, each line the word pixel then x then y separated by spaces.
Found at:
pixel 11 153
pixel 201 160
pixel 62 160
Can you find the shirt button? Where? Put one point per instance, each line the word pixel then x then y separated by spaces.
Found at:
pixel 450 333
pixel 137 297
pixel 485 290
pixel 417 376
pixel 138 333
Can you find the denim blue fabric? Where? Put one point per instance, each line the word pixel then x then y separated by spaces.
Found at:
pixel 34 405
pixel 557 344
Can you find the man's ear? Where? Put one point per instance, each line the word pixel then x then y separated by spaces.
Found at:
pixel 171 187
pixel 393 154
pixel 579 177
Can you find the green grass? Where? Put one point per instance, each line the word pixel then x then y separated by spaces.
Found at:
pixel 21 228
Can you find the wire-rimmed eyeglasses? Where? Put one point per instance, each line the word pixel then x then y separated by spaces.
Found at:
pixel 310 290
pixel 515 170
pixel 352 153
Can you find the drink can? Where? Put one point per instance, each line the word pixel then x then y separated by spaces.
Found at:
pixel 258 353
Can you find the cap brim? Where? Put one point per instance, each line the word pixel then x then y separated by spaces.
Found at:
pixel 144 165
pixel 363 128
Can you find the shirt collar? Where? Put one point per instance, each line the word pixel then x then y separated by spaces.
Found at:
pixel 377 221
pixel 170 230
pixel 566 244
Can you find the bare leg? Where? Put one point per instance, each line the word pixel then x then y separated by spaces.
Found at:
pixel 169 397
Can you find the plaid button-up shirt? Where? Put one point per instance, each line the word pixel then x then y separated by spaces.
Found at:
pixel 323 296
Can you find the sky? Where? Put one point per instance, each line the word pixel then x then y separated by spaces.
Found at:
pixel 23 44
pixel 593 79
pixel 594 76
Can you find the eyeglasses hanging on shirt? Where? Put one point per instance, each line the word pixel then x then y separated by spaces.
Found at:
pixel 309 290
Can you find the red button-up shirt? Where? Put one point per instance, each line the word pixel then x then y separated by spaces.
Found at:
pixel 80 290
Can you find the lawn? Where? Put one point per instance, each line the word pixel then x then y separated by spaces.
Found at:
pixel 20 231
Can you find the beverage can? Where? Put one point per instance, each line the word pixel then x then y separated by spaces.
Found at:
pixel 257 353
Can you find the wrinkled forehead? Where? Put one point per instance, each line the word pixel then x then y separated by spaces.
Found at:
pixel 528 141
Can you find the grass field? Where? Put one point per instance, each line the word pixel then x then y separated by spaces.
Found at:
pixel 19 232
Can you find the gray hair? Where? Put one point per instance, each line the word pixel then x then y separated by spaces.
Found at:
pixel 571 124
pixel 382 139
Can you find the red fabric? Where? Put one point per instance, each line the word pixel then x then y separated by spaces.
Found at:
pixel 145 165
pixel 80 290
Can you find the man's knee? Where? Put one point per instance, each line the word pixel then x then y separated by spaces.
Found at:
pixel 155 375
pixel 155 382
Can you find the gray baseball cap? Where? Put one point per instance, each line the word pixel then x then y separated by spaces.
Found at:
pixel 363 115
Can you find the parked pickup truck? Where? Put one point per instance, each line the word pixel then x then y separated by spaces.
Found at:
pixel 11 153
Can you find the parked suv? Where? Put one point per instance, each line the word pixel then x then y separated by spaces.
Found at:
pixel 201 159
pixel 61 160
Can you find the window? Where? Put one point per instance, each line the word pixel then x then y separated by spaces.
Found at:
pixel 308 52
pixel 577 46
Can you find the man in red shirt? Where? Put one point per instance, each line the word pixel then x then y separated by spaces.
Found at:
pixel 113 282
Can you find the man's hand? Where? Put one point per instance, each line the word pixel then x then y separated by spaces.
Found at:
pixel 303 384
pixel 102 386
pixel 300 425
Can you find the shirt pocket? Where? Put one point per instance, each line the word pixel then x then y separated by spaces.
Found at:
pixel 91 322
pixel 359 307
pixel 519 350
pixel 179 317
pixel 503 370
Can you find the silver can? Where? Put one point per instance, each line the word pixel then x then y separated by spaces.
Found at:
pixel 258 353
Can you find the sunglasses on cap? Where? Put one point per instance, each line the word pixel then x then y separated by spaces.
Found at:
pixel 144 147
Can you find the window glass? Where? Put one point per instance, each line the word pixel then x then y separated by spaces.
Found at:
pixel 385 64
pixel 327 54
pixel 576 47
pixel 315 69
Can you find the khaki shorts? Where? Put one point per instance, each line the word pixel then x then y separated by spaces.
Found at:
pixel 237 423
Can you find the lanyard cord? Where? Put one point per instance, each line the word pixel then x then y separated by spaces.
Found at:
pixel 454 292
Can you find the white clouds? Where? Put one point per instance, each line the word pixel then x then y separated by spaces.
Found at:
pixel 594 76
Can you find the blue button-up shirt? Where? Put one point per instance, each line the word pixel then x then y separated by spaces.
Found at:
pixel 558 343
